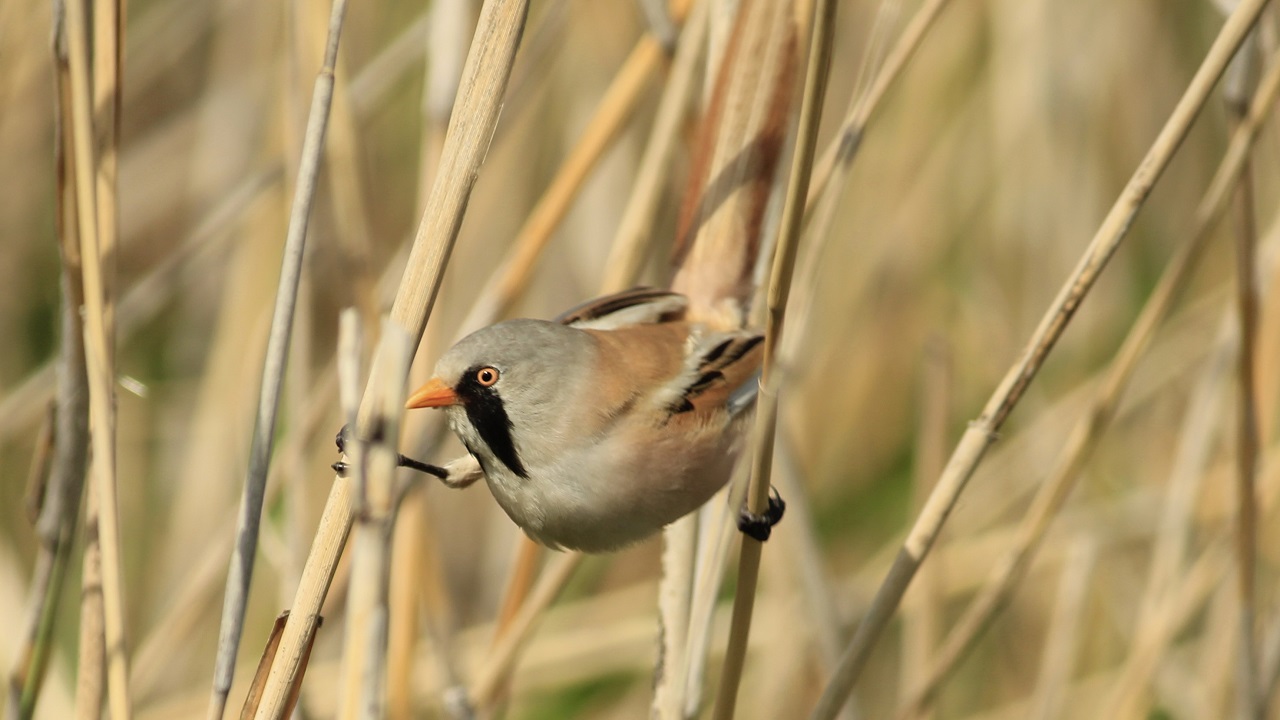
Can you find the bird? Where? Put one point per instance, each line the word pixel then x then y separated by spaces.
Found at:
pixel 598 428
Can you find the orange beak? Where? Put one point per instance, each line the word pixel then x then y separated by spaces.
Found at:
pixel 432 395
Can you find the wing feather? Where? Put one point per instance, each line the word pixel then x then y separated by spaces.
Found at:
pixel 637 306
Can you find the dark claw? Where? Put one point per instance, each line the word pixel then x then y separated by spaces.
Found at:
pixel 341 467
pixel 759 527
pixel 422 467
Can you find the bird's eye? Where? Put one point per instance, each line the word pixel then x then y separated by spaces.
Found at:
pixel 487 376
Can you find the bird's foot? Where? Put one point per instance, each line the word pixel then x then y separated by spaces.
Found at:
pixel 759 527
pixel 341 467
pixel 340 440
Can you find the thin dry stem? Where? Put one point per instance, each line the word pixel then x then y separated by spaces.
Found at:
pixel 973 445
pixel 374 481
pixel 920 630
pixel 90 665
pixel 61 497
pixel 635 229
pixel 240 573
pixel 819 59
pixel 1062 644
pixel 1253 700
pixel 616 108
pixel 1158 630
pixel 471 129
pixel 837 159
pixel 675 594
pixel 498 664
pixel 92 177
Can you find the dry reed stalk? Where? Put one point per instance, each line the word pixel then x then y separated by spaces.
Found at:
pixel 354 452
pixel 519 582
pixel 417 582
pixel 29 659
pixel 240 572
pixel 783 266
pixel 616 108
pixel 1271 679
pixel 981 433
pixel 737 149
pixel 439 623
pixel 58 509
pixel 807 559
pixel 1195 444
pixel 1237 95
pixel 254 695
pixel 1060 648
pixel 347 192
pixel 91 660
pixel 718 242
pixel 675 596
pixel 837 159
pixel 1093 424
pixel 714 542
pixel 1158 629
pixel 60 498
pixel 374 465
pixel 920 630
pixel 191 603
pixel 497 666
pixel 94 175
pixel 403 605
pixel 471 129
pixel 567 652
pixel 1214 667
pixel 661 25
pixel 635 228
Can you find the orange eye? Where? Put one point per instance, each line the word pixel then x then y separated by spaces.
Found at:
pixel 487 376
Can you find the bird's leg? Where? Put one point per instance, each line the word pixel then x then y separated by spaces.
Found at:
pixel 341 467
pixel 760 526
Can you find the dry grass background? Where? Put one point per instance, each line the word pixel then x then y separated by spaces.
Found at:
pixel 977 186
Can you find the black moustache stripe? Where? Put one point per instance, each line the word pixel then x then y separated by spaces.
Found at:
pixel 489 417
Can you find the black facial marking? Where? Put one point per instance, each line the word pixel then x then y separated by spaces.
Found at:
pixel 486 412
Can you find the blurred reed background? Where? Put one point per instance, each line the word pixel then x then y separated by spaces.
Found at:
pixel 981 177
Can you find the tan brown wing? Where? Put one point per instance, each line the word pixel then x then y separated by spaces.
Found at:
pixel 719 368
pixel 630 307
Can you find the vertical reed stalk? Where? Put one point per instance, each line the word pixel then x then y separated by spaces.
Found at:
pixel 819 58
pixel 240 572
pixel 1252 699
pixel 471 128
pixel 61 499
pixel 95 201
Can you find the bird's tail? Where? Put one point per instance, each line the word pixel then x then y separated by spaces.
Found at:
pixel 724 229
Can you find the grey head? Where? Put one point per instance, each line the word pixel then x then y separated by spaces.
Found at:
pixel 513 382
